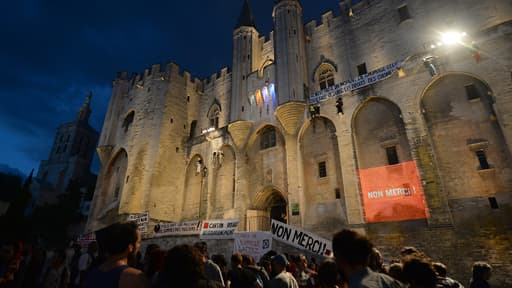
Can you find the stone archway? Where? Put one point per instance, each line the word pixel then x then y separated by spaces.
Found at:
pixel 322 175
pixel 224 166
pixel 192 207
pixel 115 179
pixel 379 134
pixel 269 204
pixel 471 152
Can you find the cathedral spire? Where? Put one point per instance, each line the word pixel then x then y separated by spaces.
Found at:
pixel 85 111
pixel 246 18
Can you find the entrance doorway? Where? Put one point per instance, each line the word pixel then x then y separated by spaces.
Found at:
pixel 269 204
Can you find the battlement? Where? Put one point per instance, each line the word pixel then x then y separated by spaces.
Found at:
pixel 220 76
pixel 157 72
pixel 326 19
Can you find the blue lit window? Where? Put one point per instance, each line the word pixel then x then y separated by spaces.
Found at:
pixel 266 96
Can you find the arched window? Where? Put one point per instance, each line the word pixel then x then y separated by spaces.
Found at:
pixel 213 116
pixel 268 138
pixel 326 76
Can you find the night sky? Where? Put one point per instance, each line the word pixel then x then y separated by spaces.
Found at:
pixel 53 52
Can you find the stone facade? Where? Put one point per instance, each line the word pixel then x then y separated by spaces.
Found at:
pixel 241 143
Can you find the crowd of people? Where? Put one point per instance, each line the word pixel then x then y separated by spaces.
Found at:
pixel 115 261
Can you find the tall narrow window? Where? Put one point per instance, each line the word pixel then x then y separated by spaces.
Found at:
pixel 322 169
pixel 361 69
pixel 116 192
pixel 392 155
pixel 128 120
pixel 337 193
pixel 472 92
pixel 482 159
pixel 403 13
pixel 494 203
pixel 268 138
pixel 213 116
pixel 326 77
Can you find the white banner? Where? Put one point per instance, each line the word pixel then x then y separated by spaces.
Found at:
pixel 219 229
pixel 142 220
pixel 255 244
pixel 353 84
pixel 139 218
pixel 84 239
pixel 301 239
pixel 180 228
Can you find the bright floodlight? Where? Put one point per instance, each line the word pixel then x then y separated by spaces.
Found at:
pixel 450 38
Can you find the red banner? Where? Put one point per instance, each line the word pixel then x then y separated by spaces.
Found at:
pixel 393 193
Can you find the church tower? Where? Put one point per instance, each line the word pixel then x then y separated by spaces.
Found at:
pixel 290 52
pixel 245 41
pixel 70 157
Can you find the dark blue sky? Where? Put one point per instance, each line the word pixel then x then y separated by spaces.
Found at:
pixel 52 52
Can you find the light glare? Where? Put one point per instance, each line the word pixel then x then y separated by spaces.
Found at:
pixel 451 37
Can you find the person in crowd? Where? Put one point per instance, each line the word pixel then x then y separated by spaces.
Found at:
pixel 221 261
pixel 120 242
pixel 352 251
pixel 312 264
pixel 419 273
pixel 376 262
pixel 154 263
pixel 481 275
pixel 239 277
pixel 57 275
pixel 8 265
pixel 74 278
pixel 442 280
pixel 410 251
pixel 328 275
pixel 265 263
pixel 260 273
pixel 282 278
pixel 304 275
pixel 211 270
pixel 395 271
pixel 149 249
pixel 291 266
pixel 85 263
pixel 184 267
pixel 34 266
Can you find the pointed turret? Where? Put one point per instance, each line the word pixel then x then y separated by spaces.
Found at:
pixel 246 18
pixel 290 52
pixel 85 111
pixel 245 59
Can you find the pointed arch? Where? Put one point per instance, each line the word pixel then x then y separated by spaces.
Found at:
pixel 214 114
pixel 266 162
pixel 324 75
pixel 194 182
pixel 466 136
pixel 379 134
pixel 224 195
pixel 114 178
pixel 322 174
pixel 265 64
pixel 267 197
